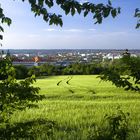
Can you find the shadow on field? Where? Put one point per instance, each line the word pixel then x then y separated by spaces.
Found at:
pixel 71 91
pixel 27 130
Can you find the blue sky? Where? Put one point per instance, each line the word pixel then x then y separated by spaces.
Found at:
pixel 28 32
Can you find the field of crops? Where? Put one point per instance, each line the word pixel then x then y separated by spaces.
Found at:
pixel 72 104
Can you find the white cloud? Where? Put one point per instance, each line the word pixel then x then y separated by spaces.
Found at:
pixel 73 30
pixel 76 30
pixel 50 30
pixel 92 29
pixel 64 30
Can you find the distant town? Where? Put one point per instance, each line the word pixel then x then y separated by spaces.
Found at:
pixel 62 57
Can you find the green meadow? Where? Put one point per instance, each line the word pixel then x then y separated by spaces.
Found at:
pixel 74 103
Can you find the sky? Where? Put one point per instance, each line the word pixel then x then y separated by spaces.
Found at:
pixel 29 32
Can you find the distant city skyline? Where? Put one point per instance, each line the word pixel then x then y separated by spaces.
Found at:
pixel 28 32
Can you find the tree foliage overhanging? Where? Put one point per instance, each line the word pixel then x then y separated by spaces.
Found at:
pixel 125 74
pixel 14 94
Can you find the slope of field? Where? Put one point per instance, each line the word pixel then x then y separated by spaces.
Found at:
pixel 75 103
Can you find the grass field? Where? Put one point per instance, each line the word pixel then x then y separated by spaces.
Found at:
pixel 75 103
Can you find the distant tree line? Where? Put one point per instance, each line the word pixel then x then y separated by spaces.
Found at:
pixel 73 69
pixel 46 69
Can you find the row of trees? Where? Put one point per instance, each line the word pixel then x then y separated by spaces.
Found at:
pixel 22 72
pixel 73 69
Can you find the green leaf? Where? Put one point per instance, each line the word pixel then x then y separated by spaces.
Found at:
pixel 109 2
pixel 85 13
pixel 106 12
pixel 43 11
pixel 41 3
pixel 119 10
pixel 1 29
pixel 78 8
pixel 114 13
pixel 6 20
pixel 72 11
pixel 67 10
pixel 60 22
pixel 49 3
pixel 99 5
pixel 138 25
pixel 32 1
pixel 99 19
pixel 46 18
pixel 1 37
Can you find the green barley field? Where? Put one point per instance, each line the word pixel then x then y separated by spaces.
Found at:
pixel 72 104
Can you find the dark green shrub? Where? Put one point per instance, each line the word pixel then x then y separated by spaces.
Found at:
pixel 21 72
pixel 113 127
pixel 14 95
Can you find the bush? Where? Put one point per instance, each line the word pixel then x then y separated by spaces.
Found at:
pixel 14 95
pixel 113 127
pixel 21 72
pixel 126 75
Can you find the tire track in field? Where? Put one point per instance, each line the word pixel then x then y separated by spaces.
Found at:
pixel 67 81
pixel 59 82
pixel 69 78
pixel 88 90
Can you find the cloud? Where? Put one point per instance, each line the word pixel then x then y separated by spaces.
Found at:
pixel 68 30
pixel 73 30
pixel 50 30
pixel 92 29
pixel 79 30
pixel 63 30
